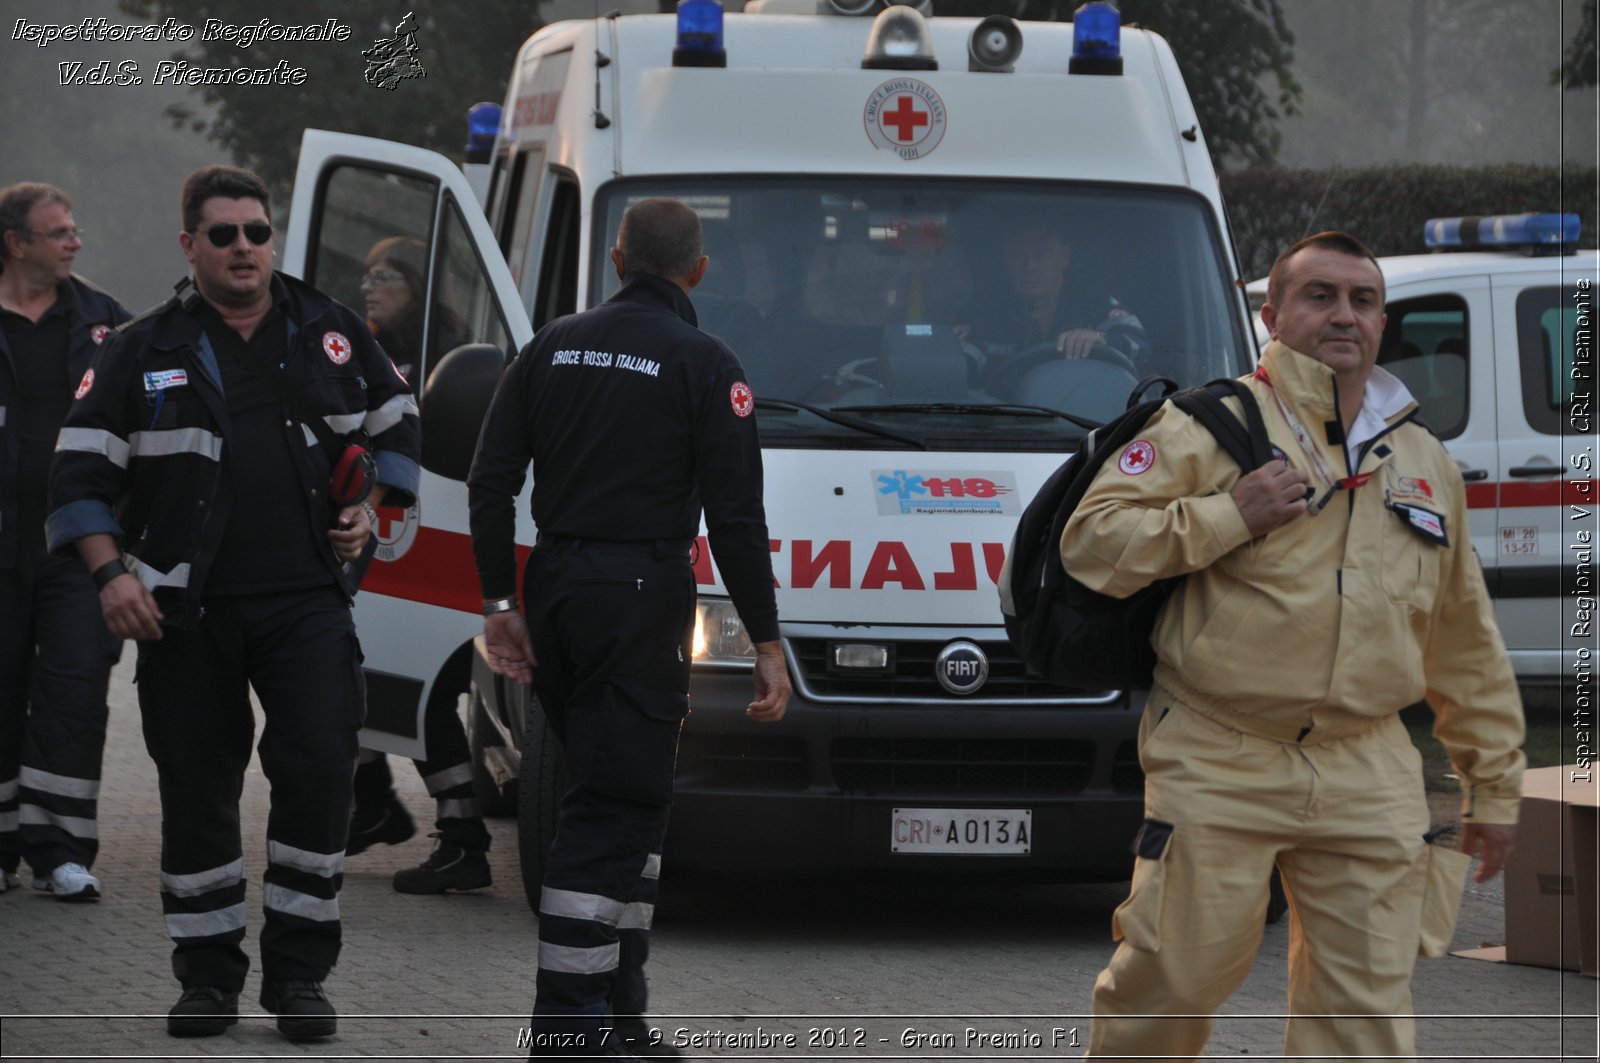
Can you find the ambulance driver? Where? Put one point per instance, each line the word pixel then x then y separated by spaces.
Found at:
pixel 1040 311
pixel 1324 593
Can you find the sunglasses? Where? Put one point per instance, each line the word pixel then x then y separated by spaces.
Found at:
pixel 225 233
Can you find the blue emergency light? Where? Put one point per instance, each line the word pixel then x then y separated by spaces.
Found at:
pixel 699 34
pixel 1535 233
pixel 483 125
pixel 1096 40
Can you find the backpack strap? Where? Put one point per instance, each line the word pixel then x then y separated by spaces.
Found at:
pixel 1247 444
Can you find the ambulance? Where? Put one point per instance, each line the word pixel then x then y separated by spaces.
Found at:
pixel 864 178
pixel 1493 333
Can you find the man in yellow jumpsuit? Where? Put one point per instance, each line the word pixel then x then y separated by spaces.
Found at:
pixel 1324 592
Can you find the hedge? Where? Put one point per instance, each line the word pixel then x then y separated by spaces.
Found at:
pixel 1385 207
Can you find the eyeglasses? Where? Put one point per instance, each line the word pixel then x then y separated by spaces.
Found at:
pixel 223 234
pixel 375 277
pixel 65 234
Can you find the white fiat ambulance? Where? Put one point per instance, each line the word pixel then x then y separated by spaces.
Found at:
pixel 1493 332
pixel 874 191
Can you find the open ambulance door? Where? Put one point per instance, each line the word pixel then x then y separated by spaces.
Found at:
pixel 396 233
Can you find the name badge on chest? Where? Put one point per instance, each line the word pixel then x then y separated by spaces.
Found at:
pixel 1425 522
pixel 165 378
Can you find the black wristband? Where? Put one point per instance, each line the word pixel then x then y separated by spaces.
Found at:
pixel 108 572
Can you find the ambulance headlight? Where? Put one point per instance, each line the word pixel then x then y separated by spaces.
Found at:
pixel 995 45
pixel 719 634
pixel 699 34
pixel 899 41
pixel 483 124
pixel 1096 40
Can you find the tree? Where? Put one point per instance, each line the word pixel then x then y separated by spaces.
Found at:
pixel 1579 66
pixel 466 58
pixel 1225 48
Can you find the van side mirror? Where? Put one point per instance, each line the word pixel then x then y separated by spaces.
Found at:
pixel 455 403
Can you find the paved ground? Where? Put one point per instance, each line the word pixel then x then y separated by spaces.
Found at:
pixel 845 967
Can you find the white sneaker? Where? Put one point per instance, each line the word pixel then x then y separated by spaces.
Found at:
pixel 8 881
pixel 70 882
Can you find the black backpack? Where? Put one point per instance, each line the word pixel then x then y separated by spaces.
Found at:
pixel 1064 631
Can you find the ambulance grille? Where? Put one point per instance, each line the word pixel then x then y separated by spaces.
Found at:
pixel 911 677
pixel 1126 774
pixel 991 766
pixel 741 762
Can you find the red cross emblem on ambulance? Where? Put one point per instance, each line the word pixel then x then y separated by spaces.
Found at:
pixel 905 116
pixel 336 346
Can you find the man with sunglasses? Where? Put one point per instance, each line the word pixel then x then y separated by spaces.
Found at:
pixel 1322 593
pixel 195 488
pixel 55 652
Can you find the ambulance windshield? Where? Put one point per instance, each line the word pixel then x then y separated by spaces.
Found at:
pixel 929 307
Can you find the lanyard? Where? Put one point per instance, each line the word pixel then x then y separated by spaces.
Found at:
pixel 1309 445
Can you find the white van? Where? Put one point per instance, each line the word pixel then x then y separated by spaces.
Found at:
pixel 1493 333
pixel 858 180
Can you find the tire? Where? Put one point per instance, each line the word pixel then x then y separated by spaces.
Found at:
pixel 539 791
pixel 493 800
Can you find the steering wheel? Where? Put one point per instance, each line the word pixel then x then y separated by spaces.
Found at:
pixel 1009 369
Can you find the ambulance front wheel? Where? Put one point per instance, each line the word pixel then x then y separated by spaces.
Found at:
pixel 542 781
pixel 493 799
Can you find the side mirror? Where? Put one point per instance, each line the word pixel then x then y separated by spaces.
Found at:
pixel 455 403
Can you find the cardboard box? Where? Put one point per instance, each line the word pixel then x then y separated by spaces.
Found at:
pixel 1552 915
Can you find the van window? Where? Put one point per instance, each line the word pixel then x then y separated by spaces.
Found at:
pixel 558 273
pixel 464 309
pixel 1425 344
pixel 938 307
pixel 369 250
pixel 1547 343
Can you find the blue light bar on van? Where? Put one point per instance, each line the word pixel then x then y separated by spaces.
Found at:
pixel 483 125
pixel 1096 40
pixel 1547 232
pixel 699 34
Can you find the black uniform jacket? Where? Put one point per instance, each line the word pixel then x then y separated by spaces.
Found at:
pixel 633 420
pixel 91 315
pixel 140 456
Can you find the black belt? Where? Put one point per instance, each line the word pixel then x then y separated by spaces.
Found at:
pixel 670 547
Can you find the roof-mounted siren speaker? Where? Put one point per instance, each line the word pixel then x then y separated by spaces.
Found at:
pixel 1096 40
pixel 995 45
pixel 899 41
pixel 846 7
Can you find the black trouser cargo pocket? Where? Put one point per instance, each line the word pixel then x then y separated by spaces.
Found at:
pixel 637 747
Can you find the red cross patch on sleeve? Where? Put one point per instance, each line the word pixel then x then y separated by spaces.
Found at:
pixel 1137 457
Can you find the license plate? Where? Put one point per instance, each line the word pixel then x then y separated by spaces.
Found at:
pixel 962 831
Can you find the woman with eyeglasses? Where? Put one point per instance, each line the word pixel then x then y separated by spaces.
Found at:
pixel 394 293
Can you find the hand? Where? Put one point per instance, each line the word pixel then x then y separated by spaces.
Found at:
pixel 772 684
pixel 1490 843
pixel 1270 497
pixel 130 609
pixel 1077 343
pixel 509 646
pixel 350 533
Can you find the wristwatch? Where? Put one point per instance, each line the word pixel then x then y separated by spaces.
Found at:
pixel 500 605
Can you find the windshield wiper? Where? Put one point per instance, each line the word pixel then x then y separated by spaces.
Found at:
pixel 836 418
pixel 988 409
